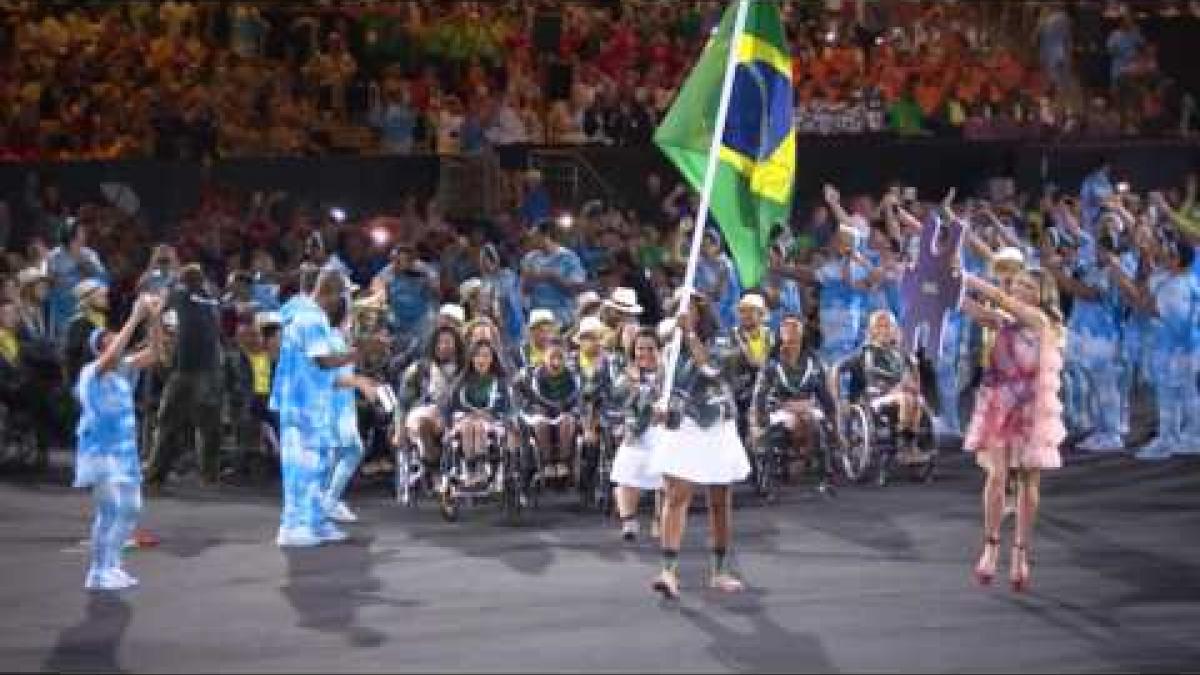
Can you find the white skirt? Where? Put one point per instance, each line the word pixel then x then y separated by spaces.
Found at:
pixel 712 456
pixel 631 466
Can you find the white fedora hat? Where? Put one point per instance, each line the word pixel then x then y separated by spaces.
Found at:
pixel 624 300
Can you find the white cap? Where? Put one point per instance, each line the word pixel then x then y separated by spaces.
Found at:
pixel 590 324
pixel 453 311
pixel 170 319
pixel 540 316
pixel 262 319
pixel 753 300
pixel 1009 254
pixel 468 287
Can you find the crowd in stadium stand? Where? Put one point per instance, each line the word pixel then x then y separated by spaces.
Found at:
pixel 201 80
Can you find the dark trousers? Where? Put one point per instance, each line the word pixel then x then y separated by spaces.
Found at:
pixel 190 402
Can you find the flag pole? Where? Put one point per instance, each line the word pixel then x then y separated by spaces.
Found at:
pixel 710 174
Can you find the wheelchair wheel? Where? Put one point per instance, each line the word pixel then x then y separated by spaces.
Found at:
pixel 409 477
pixel 765 483
pixel 448 501
pixel 856 456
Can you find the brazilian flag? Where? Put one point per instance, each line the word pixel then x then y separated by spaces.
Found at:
pixel 752 191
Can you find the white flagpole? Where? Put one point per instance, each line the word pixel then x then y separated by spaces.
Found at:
pixel 710 173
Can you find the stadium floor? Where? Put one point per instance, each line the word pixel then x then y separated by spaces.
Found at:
pixel 874 580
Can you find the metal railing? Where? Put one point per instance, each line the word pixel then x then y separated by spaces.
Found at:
pixel 571 179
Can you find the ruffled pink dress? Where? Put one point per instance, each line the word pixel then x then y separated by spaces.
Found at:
pixel 1017 409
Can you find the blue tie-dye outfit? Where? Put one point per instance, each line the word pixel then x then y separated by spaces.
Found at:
pixel 106 460
pixel 1095 189
pixel 302 394
pixel 504 287
pixel 1094 346
pixel 411 300
pixel 843 310
pixel 348 451
pixel 1135 329
pixel 1173 360
pixel 708 274
pixel 958 353
pixel 551 296
pixel 887 295
pixel 791 300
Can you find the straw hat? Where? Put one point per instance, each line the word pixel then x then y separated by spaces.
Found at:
pixel 455 312
pixel 587 300
pixel 624 300
pixel 591 326
pixel 31 275
pixel 86 288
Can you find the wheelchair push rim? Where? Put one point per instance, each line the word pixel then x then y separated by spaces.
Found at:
pixel 856 455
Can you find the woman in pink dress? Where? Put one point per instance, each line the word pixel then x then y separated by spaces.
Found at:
pixel 1017 424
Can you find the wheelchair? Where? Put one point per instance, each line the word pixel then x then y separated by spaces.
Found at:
pixel 773 457
pixel 504 469
pixel 595 474
pixel 537 482
pixel 867 426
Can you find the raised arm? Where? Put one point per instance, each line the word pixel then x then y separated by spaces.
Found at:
pixel 1026 314
pixel 1137 295
pixel 834 200
pixel 1065 281
pixel 110 358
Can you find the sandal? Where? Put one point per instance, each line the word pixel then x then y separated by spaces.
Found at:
pixel 985 574
pixel 1019 576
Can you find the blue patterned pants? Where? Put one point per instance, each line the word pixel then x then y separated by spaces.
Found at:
pixel 116 507
pixel 345 463
pixel 303 467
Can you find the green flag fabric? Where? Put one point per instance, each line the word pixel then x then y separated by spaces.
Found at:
pixel 752 189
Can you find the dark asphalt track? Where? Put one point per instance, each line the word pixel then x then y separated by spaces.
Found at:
pixel 876 580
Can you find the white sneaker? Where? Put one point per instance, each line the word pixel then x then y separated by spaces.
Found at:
pixel 330 533
pixel 128 579
pixel 297 538
pixel 341 513
pixel 104 580
pixel 1156 450
pixel 1102 443
pixel 629 529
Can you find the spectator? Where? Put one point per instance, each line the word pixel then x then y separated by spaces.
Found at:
pixel 1054 44
pixel 68 265
pixel 92 307
pixel 191 400
pixel 396 120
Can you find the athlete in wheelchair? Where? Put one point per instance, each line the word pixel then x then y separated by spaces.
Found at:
pixel 549 400
pixel 601 418
pixel 791 414
pixel 420 424
pixel 751 344
pixel 482 453
pixel 883 418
